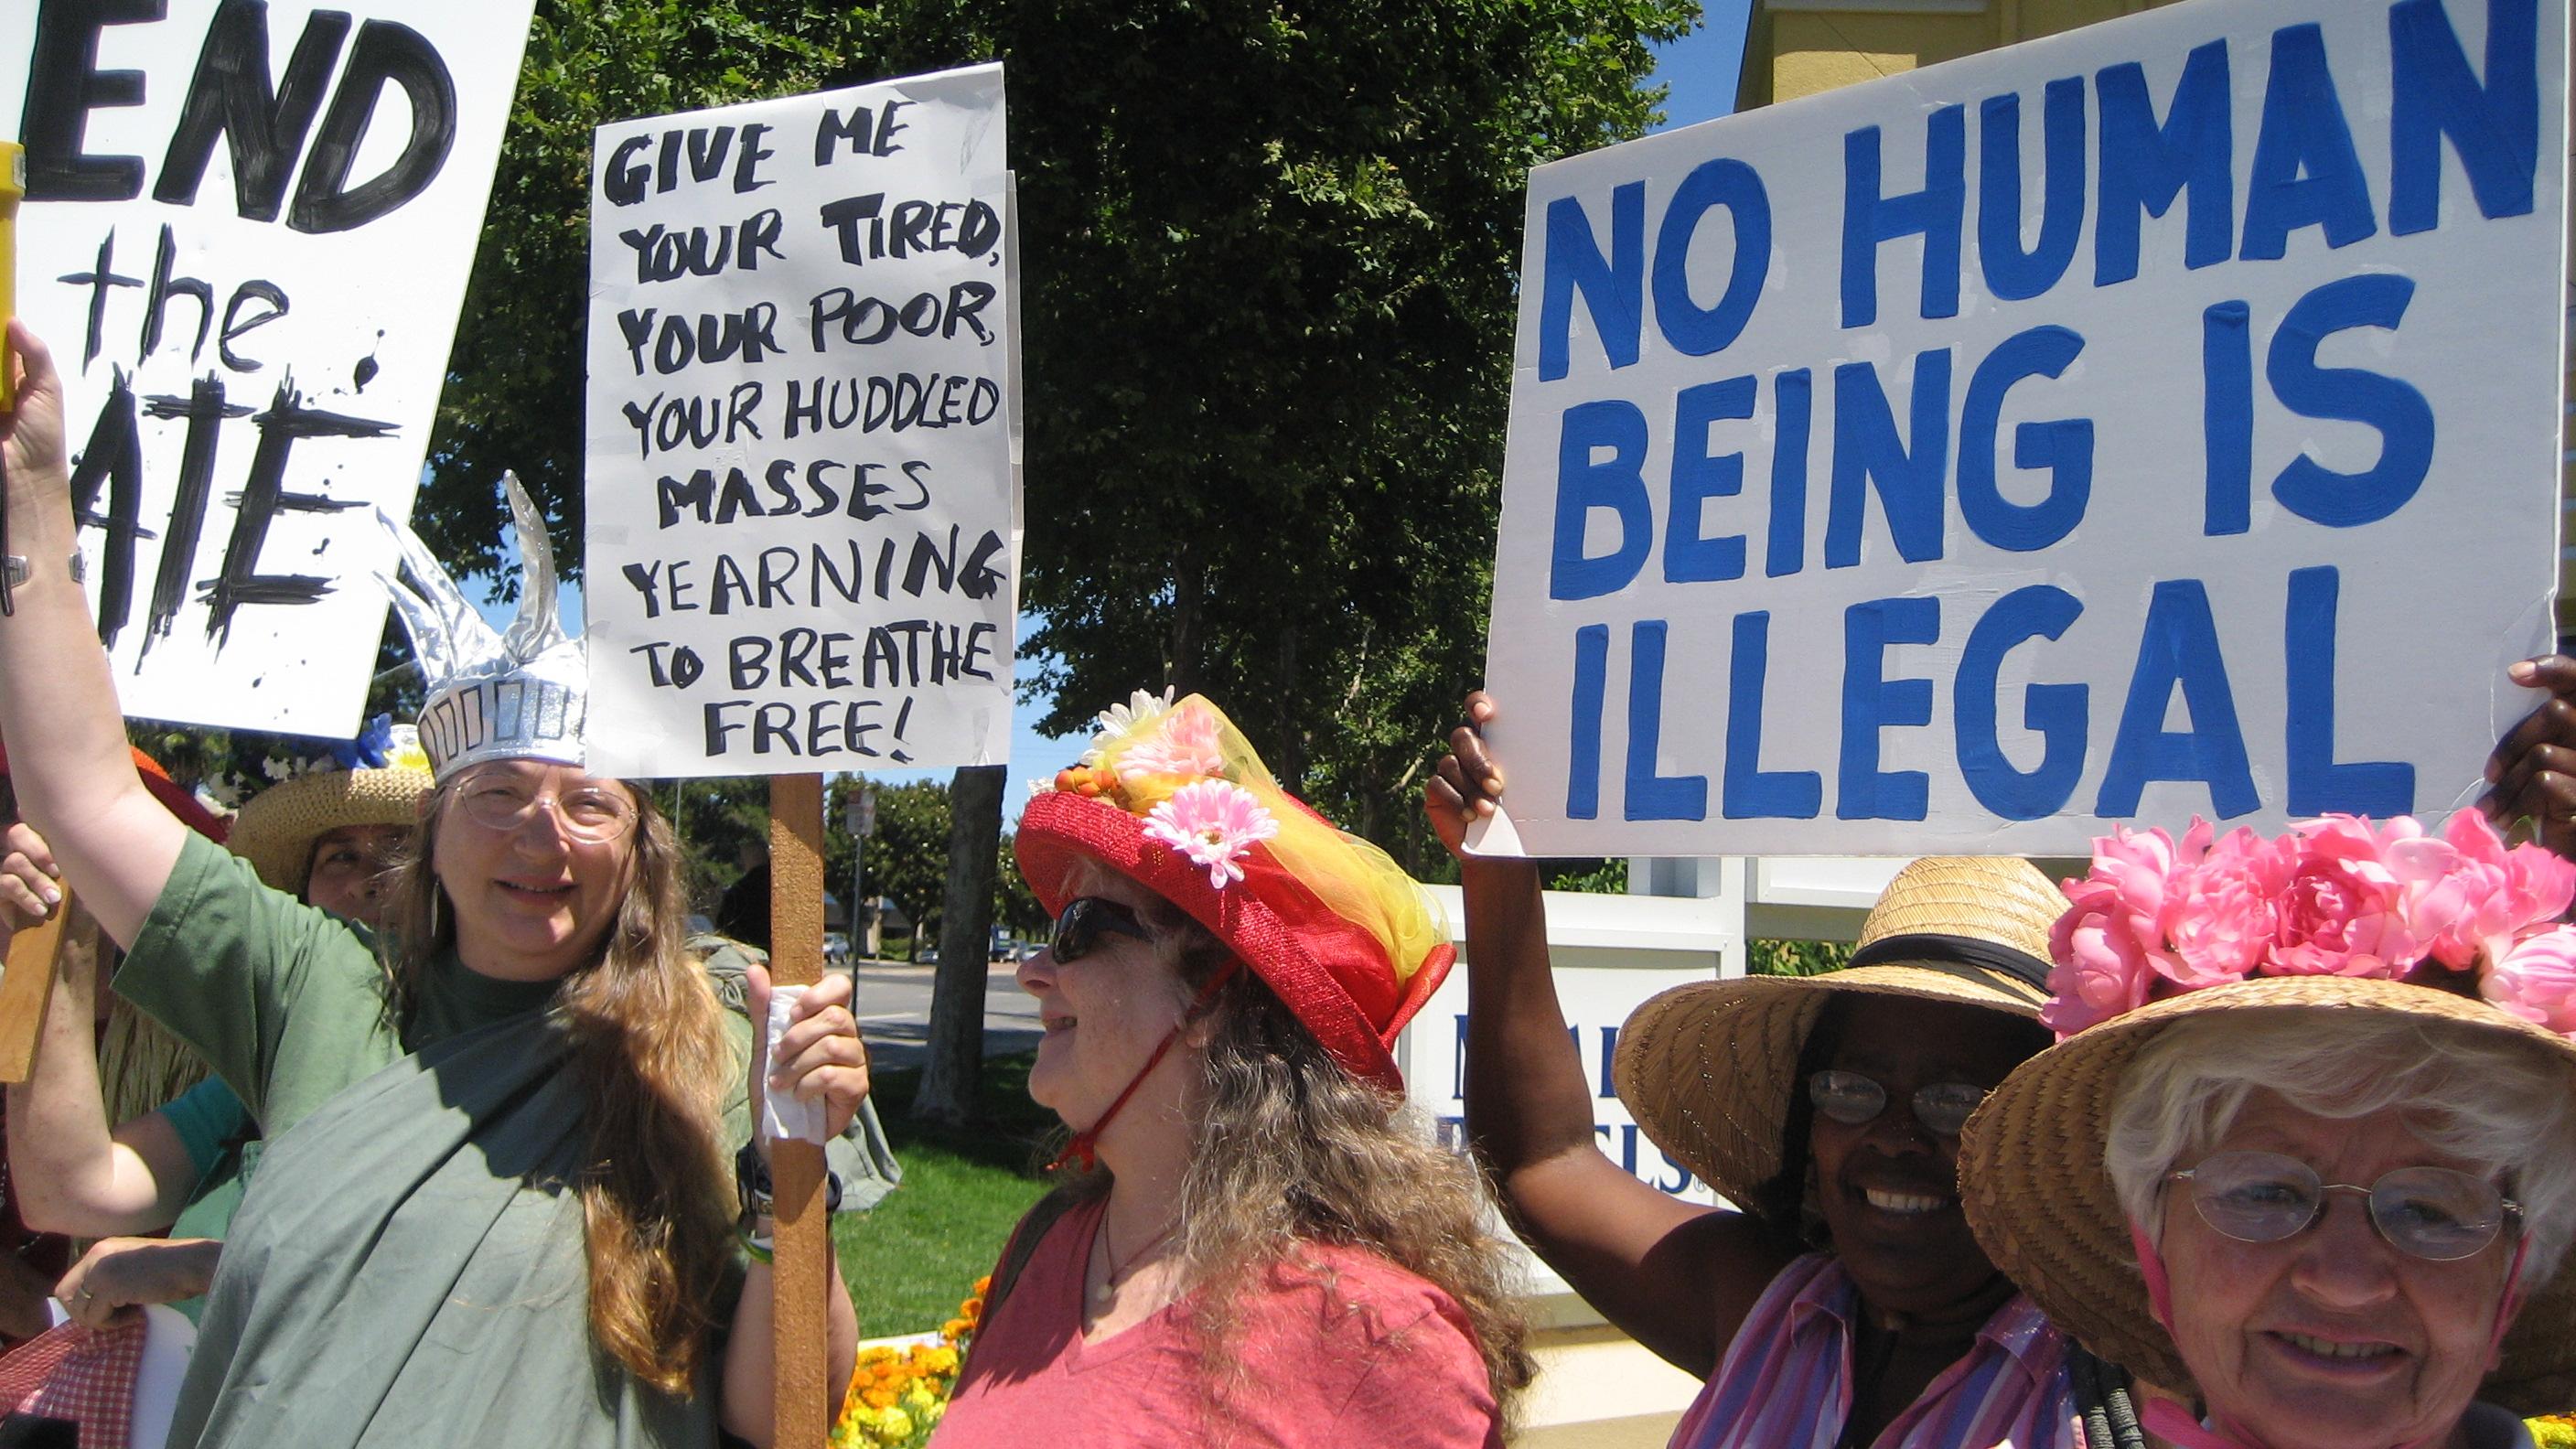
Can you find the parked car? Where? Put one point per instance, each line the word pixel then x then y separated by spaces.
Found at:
pixel 836 948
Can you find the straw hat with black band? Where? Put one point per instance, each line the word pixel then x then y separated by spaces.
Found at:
pixel 1711 1070
pixel 2040 1200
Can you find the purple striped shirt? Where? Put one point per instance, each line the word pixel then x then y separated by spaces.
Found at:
pixel 1786 1379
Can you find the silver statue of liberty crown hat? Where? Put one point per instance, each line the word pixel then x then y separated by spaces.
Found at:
pixel 515 696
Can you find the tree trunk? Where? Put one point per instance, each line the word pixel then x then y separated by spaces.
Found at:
pixel 947 1093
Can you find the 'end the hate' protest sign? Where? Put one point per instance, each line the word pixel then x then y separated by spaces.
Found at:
pixel 246 235
pixel 2159 419
pixel 804 510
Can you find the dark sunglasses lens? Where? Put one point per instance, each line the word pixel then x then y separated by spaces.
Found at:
pixel 1944 1107
pixel 2436 1213
pixel 2255 1197
pixel 1084 918
pixel 1846 1097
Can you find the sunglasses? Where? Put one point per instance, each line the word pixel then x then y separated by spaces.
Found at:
pixel 1854 1100
pixel 1084 918
pixel 2432 1213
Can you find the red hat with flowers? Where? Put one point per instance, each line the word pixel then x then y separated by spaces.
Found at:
pixel 1173 797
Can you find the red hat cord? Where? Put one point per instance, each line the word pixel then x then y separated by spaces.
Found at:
pixel 1084 1150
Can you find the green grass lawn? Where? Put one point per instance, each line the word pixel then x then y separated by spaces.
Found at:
pixel 910 1261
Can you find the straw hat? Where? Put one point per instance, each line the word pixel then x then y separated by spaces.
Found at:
pixel 276 830
pixel 1173 797
pixel 2041 1203
pixel 1708 1069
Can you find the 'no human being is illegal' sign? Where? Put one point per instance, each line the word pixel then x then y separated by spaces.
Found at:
pixel 2160 419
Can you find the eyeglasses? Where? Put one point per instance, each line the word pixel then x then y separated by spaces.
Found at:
pixel 589 813
pixel 1079 928
pixel 1855 1100
pixel 2425 1212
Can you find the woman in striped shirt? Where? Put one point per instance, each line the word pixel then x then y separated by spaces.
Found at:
pixel 1842 1302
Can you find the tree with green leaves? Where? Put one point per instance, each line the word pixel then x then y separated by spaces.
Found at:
pixel 1270 261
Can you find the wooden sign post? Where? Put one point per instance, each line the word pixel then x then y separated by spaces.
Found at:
pixel 800 1269
pixel 26 988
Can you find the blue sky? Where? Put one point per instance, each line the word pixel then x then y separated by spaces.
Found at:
pixel 1701 70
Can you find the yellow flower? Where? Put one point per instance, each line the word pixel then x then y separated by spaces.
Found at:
pixel 897 1425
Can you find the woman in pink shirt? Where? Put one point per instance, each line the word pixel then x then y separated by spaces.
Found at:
pixel 1259 1244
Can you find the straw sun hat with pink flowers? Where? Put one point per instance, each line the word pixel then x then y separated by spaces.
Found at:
pixel 2339 915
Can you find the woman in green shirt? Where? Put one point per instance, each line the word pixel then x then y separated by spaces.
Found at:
pixel 493 1207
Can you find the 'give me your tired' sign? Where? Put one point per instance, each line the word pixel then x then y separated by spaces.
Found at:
pixel 2158 419
pixel 2149 421
pixel 803 530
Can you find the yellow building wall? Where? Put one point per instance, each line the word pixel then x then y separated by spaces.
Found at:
pixel 1798 48
pixel 1802 48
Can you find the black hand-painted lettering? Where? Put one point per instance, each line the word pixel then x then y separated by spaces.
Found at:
pixel 236 325
pixel 156 302
pixel 230 96
pixel 865 139
pixel 263 497
pixel 623 180
pixel 683 670
pixel 680 342
pixel 843 217
pixel 99 278
pixel 205 409
pixel 746 166
pixel 385 51
pixel 114 458
pixel 64 84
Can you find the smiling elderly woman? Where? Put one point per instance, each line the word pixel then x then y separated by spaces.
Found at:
pixel 2336 1205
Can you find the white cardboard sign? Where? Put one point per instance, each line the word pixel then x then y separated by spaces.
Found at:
pixel 2154 420
pixel 803 532
pixel 246 236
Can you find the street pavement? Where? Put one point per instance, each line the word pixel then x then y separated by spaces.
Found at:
pixel 893 1008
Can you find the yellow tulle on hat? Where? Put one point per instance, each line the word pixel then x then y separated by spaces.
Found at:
pixel 1147 751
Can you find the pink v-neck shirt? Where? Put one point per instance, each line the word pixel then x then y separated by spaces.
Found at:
pixel 1335 1347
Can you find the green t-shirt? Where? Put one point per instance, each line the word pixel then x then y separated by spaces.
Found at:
pixel 409 1265
pixel 286 1003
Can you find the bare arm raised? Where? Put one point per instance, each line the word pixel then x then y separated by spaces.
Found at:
pixel 1679 1279
pixel 72 1174
pixel 58 711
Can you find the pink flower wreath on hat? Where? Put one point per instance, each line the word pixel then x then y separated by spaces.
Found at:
pixel 2156 917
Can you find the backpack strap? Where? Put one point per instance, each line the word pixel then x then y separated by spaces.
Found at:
pixel 1023 1246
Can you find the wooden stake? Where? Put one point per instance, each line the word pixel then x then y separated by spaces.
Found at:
pixel 26 988
pixel 801 1266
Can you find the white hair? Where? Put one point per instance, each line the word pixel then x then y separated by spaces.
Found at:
pixel 2468 1092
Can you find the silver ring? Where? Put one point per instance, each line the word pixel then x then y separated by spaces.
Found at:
pixel 84 1295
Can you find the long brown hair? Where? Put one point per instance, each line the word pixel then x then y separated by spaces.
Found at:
pixel 1288 1149
pixel 650 1050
